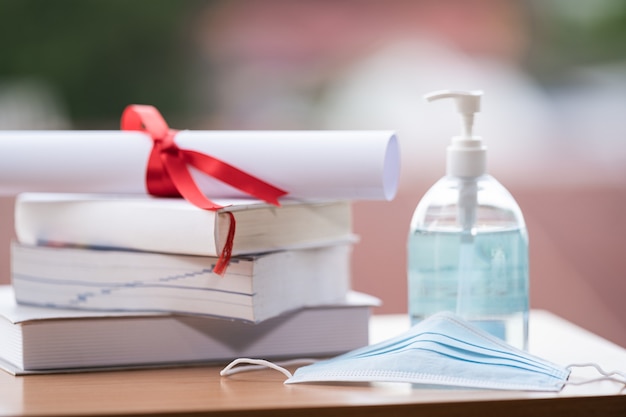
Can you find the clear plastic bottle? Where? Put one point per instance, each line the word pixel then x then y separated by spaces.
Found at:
pixel 468 243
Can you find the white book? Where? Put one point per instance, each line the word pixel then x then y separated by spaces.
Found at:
pixel 173 225
pixel 254 287
pixel 36 340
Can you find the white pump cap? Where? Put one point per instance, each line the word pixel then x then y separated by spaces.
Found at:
pixel 466 156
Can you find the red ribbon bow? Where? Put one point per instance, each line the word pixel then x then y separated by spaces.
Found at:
pixel 168 175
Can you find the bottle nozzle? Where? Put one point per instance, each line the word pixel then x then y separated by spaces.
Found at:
pixel 467 102
pixel 466 155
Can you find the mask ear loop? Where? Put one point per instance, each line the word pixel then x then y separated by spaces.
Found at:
pixel 259 364
pixel 615 376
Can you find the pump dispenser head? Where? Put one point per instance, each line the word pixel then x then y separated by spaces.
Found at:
pixel 466 155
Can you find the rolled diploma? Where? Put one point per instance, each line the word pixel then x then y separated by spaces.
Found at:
pixel 359 165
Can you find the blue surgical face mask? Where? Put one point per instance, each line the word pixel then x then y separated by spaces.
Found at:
pixel 443 350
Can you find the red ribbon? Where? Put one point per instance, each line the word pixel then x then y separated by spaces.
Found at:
pixel 168 175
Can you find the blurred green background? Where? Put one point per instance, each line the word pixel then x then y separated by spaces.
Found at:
pixel 98 56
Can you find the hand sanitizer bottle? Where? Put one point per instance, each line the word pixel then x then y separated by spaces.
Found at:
pixel 468 244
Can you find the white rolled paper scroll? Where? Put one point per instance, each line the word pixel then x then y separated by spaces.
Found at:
pixel 356 165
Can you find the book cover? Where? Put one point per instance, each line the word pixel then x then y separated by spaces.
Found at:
pixel 173 225
pixel 254 288
pixel 44 340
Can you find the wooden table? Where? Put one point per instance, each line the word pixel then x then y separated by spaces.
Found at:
pixel 196 391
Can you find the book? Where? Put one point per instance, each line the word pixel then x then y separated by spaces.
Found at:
pixel 173 225
pixel 254 287
pixel 43 340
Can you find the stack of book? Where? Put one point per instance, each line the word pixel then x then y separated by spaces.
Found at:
pixel 110 281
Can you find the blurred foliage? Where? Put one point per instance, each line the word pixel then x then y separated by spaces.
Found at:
pixel 572 34
pixel 100 55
